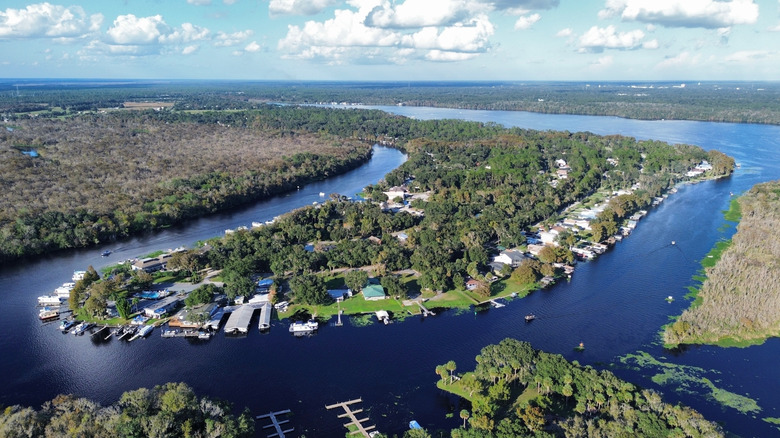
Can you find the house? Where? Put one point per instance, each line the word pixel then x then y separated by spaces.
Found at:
pixel 374 292
pixel 151 264
pixel 496 266
pixel 396 192
pixel 264 285
pixel 562 173
pixel 472 284
pixel 162 307
pixel 535 249
pixel 511 257
pixel 343 293
pixel 560 163
pixel 401 236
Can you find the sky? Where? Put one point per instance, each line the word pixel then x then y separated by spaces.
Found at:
pixel 392 40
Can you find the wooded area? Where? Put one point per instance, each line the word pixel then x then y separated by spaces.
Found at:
pixel 169 410
pixel 97 177
pixel 516 391
pixel 740 300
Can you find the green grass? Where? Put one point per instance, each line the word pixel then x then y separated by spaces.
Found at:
pixel 734 213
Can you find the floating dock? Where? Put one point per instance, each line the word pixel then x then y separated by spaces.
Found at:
pixel 275 423
pixel 265 316
pixel 239 320
pixel 354 421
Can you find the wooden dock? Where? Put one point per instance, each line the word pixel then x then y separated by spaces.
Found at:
pixel 275 423
pixel 424 310
pixel 354 421
pixel 496 304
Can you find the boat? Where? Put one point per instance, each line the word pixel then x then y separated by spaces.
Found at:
pixel 322 194
pixel 48 313
pixel 78 275
pixel 669 298
pixel 64 290
pixel 204 335
pixel 580 347
pixel 82 327
pixel 304 327
pixel 105 253
pixel 414 425
pixel 169 333
pixel 66 324
pixel 46 300
pixel 530 317
pixel 145 330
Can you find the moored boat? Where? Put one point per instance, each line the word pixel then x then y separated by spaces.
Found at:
pixel 48 313
pixel 304 327
pixel 145 330
pixel 530 317
pixel 66 324
pixel 47 300
pixel 204 335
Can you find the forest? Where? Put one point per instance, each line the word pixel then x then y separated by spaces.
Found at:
pixel 517 391
pixel 169 410
pixel 737 102
pixel 735 304
pixel 97 177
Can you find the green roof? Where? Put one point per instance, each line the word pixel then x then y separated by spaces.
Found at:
pixel 373 291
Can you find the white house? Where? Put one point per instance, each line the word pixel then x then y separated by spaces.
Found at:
pixel 511 257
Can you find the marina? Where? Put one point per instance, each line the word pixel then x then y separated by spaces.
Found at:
pixel 353 419
pixel 276 423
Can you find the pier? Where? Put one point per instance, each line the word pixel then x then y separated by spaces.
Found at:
pixel 265 317
pixel 239 319
pixel 424 310
pixel 275 423
pixel 354 421
pixel 496 304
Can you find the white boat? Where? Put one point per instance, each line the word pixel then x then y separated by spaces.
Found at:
pixel 204 335
pixel 303 327
pixel 67 324
pixel 50 300
pixel 322 194
pixel 78 275
pixel 48 313
pixel 145 330
pixel 64 290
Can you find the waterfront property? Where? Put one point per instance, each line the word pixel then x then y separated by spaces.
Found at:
pixel 239 319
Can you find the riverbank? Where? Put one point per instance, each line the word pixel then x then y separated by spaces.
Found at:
pixel 735 305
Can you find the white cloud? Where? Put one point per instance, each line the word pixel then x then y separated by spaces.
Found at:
pixel 775 28
pixel 131 30
pixel 299 7
pixel 346 28
pixel 253 47
pixel 422 13
pixel 471 38
pixel 652 44
pixel 564 33
pixel 229 2
pixel 187 33
pixel 604 61
pixel 684 59
pixel 199 2
pixel 232 39
pixel 748 56
pixel 444 56
pixel 709 14
pixel 527 21
pixel 596 39
pixel 502 5
pixel 44 20
pixel 190 49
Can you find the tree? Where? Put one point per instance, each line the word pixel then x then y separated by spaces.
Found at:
pixel 309 289
pixel 356 280
pixel 123 307
pixel 533 417
pixel 525 273
pixel 464 414
pixel 201 295
pixel 450 367
pixel 393 286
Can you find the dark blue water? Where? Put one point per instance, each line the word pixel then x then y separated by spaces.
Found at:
pixel 614 305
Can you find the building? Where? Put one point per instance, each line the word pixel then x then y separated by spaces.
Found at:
pixel 151 264
pixel 161 308
pixel 511 257
pixel 374 292
pixel 396 192
pixel 472 284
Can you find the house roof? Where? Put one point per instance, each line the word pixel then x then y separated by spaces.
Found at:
pixel 373 291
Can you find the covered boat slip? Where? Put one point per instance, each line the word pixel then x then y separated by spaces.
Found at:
pixel 265 317
pixel 239 319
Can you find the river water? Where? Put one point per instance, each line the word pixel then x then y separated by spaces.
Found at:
pixel 615 305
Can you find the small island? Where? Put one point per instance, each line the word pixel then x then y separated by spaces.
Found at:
pixel 738 303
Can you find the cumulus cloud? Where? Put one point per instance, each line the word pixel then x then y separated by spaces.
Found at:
pixel 527 21
pixel 188 32
pixel 131 30
pixel 470 38
pixel 596 39
pixel 190 49
pixel 44 20
pixel 565 33
pixel 345 29
pixel 299 7
pixel 444 56
pixel 652 44
pixel 253 47
pixel 421 13
pixel 232 39
pixel 502 5
pixel 745 56
pixel 710 14
pixel 681 60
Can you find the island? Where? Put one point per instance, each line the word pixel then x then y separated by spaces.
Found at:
pixel 737 302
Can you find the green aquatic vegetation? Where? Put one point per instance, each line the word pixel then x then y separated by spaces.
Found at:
pixel 689 380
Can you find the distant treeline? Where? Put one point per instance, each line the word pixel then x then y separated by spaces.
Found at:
pixel 169 410
pixel 739 301
pixel 739 102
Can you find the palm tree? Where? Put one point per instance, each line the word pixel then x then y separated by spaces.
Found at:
pixel 464 414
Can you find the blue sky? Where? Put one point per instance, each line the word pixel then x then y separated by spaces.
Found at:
pixel 392 39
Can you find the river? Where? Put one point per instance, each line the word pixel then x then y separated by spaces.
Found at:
pixel 614 305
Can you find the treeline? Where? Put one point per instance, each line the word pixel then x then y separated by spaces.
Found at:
pixel 169 410
pixel 99 177
pixel 516 391
pixel 738 301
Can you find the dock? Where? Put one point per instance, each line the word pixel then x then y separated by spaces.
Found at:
pixel 239 319
pixel 275 423
pixel 496 304
pixel 424 310
pixel 100 330
pixel 354 421
pixel 265 317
